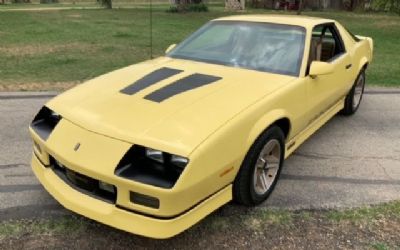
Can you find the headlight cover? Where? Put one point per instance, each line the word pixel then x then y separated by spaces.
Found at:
pixel 179 161
pixel 45 122
pixel 166 158
pixel 155 155
pixel 151 166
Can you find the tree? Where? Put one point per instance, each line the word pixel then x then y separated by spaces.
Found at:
pixel 234 4
pixel 338 4
pixel 354 4
pixel 300 7
pixel 106 3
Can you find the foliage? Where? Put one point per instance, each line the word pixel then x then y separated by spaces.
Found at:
pixel 173 9
pixel 201 7
pixel 193 7
pixel 48 1
pixel 386 5
pixel 20 1
pixel 187 6
pixel 106 3
pixel 315 5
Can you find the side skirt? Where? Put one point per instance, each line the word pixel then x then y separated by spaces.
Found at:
pixel 295 142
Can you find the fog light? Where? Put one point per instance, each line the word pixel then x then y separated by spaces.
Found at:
pixel 144 200
pixel 106 187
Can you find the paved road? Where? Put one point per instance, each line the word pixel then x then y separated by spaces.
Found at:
pixel 351 161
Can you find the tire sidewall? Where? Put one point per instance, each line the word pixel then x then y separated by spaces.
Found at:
pixel 270 134
pixel 354 109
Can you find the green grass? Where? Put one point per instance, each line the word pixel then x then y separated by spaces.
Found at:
pixel 366 213
pixel 64 225
pixel 379 246
pixel 76 45
pixel 374 227
pixel 261 218
pixel 36 5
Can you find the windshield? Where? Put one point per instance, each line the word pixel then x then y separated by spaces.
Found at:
pixel 268 47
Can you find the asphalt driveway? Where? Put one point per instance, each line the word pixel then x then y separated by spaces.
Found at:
pixel 351 161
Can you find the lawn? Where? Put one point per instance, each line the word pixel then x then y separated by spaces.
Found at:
pixel 54 49
pixel 230 227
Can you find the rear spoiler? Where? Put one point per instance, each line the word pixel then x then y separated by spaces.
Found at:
pixel 370 42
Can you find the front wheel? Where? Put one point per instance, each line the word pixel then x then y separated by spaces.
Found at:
pixel 260 169
pixel 353 99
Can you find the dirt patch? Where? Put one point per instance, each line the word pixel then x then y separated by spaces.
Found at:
pixel 35 86
pixel 387 23
pixel 75 15
pixel 44 9
pixel 383 21
pixel 39 49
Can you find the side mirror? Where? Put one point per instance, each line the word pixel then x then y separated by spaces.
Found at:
pixel 171 47
pixel 320 68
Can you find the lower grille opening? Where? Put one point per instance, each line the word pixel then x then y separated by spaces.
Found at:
pixel 85 184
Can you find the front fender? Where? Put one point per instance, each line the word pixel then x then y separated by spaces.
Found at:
pixel 263 123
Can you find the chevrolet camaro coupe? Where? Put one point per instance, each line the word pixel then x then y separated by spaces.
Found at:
pixel 155 147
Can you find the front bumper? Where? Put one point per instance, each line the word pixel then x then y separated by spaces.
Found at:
pixel 114 216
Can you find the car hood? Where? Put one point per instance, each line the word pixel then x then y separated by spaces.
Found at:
pixel 177 124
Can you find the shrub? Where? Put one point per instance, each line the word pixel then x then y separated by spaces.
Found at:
pixel 200 7
pixel 173 9
pixel 386 5
pixel 21 1
pixel 48 1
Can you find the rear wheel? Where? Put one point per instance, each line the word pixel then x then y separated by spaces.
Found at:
pixel 353 99
pixel 260 169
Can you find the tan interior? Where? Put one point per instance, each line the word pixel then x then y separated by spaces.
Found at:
pixel 321 50
pixel 328 50
pixel 316 49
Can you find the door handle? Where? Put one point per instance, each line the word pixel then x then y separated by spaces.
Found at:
pixel 348 66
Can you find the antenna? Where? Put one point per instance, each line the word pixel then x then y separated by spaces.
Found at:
pixel 151 29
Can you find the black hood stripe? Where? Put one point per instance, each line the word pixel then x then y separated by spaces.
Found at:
pixel 150 79
pixel 185 84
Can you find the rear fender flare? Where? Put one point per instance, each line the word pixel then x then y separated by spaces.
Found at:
pixel 363 62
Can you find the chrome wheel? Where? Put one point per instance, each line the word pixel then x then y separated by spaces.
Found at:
pixel 358 91
pixel 267 167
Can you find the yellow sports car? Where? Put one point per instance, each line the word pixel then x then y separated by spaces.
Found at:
pixel 155 147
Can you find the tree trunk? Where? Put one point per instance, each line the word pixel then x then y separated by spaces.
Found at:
pixel 300 7
pixel 354 4
pixel 337 4
pixel 107 3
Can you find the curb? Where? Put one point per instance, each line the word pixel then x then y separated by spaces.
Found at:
pixel 50 94
pixel 27 95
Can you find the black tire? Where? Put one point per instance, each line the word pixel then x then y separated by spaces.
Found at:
pixel 244 190
pixel 350 107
